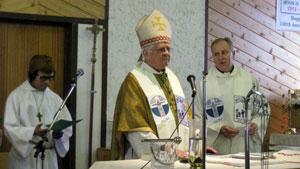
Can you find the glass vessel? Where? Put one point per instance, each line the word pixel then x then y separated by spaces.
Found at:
pixel 163 152
pixel 195 144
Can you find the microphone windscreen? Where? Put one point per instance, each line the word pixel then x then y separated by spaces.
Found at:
pixel 190 78
pixel 79 72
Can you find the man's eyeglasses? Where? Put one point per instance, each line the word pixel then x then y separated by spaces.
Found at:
pixel 46 77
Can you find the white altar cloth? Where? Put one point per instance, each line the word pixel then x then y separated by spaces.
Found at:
pixel 138 163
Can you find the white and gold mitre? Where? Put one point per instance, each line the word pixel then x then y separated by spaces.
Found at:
pixel 153 28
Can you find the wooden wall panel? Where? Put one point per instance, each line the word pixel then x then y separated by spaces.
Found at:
pixel 91 9
pixel 263 7
pixel 19 42
pixel 272 56
pixel 254 38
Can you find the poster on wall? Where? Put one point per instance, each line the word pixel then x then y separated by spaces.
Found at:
pixel 288 15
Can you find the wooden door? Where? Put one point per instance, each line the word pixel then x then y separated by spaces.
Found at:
pixel 18 43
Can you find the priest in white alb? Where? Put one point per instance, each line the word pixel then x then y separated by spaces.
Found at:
pixel 28 110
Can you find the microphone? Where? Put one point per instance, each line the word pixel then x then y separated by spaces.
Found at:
pixel 191 79
pixel 253 91
pixel 79 73
pixel 258 93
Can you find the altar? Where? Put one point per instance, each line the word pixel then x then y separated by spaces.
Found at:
pixel 285 159
pixel 138 163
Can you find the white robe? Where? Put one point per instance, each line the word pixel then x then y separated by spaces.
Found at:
pixel 225 86
pixel 20 120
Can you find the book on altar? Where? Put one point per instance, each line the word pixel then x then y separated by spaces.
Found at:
pixel 238 162
pixel 288 156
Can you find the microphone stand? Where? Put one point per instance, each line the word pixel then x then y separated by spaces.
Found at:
pixel 204 117
pixel 204 74
pixel 73 85
pixel 264 106
pixel 247 145
pixel 40 147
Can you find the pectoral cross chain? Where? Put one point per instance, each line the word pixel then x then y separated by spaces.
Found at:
pixel 39 116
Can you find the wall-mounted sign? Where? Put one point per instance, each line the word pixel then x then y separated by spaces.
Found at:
pixel 288 15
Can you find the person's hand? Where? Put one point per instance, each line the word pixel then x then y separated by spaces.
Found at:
pixel 229 132
pixel 211 150
pixel 252 129
pixel 182 154
pixel 39 131
pixel 57 134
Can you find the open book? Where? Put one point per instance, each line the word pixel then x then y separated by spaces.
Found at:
pixel 253 156
pixel 237 162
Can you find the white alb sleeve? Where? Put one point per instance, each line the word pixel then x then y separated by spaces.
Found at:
pixel 142 149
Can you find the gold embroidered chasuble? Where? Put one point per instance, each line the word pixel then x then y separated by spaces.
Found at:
pixel 133 113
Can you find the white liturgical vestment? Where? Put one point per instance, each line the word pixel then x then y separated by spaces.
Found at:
pixel 21 117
